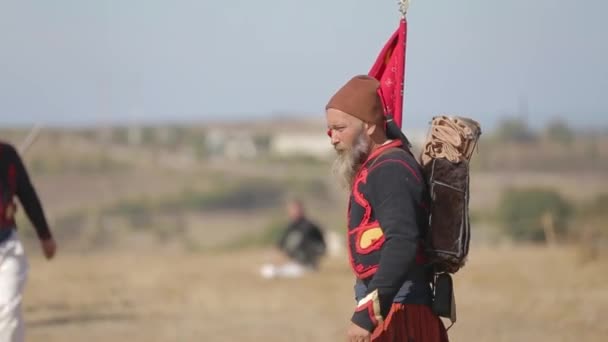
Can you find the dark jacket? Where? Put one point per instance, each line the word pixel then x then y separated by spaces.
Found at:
pixel 303 241
pixel 15 182
pixel 387 219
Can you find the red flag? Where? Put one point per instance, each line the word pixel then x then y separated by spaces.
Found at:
pixel 389 69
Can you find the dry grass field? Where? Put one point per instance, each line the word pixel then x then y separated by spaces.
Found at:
pixel 183 274
pixel 503 294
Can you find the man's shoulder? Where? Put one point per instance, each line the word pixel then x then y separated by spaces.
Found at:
pixel 397 153
pixel 307 222
pixel 397 159
pixel 7 147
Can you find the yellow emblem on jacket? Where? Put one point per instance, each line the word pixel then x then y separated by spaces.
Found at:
pixel 370 236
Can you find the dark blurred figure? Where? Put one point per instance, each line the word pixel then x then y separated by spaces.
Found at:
pixel 302 240
pixel 301 245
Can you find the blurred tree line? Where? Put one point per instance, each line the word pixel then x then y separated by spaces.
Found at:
pixel 517 130
pixel 543 215
pixel 557 146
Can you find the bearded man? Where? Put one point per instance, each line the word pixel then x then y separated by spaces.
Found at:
pixel 387 220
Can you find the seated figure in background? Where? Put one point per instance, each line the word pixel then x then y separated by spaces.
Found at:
pixel 300 246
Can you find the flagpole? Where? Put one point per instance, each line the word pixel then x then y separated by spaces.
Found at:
pixel 389 70
pixel 30 138
pixel 404 5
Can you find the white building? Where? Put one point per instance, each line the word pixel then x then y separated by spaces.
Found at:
pixel 301 144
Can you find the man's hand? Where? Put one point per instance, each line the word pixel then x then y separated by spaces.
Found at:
pixel 357 334
pixel 48 248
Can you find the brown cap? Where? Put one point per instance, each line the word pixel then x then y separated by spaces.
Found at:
pixel 359 98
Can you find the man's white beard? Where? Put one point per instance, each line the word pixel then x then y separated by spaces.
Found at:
pixel 348 161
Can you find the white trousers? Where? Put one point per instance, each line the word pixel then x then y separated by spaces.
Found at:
pixel 13 276
pixel 287 270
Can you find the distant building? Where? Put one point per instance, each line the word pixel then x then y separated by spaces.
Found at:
pixel 233 146
pixel 301 144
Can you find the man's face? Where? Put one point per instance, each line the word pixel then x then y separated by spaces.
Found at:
pixel 344 129
pixel 349 138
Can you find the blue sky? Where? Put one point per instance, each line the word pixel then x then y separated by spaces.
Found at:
pixel 90 61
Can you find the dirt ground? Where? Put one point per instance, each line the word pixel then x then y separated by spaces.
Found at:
pixel 503 294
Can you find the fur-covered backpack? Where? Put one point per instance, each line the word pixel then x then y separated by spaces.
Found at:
pixel 445 161
pixel 445 158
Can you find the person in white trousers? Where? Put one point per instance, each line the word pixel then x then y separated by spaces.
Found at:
pixel 15 183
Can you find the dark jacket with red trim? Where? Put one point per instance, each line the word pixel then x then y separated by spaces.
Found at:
pixel 387 219
pixel 14 181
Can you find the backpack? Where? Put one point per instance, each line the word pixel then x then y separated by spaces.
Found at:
pixel 445 158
